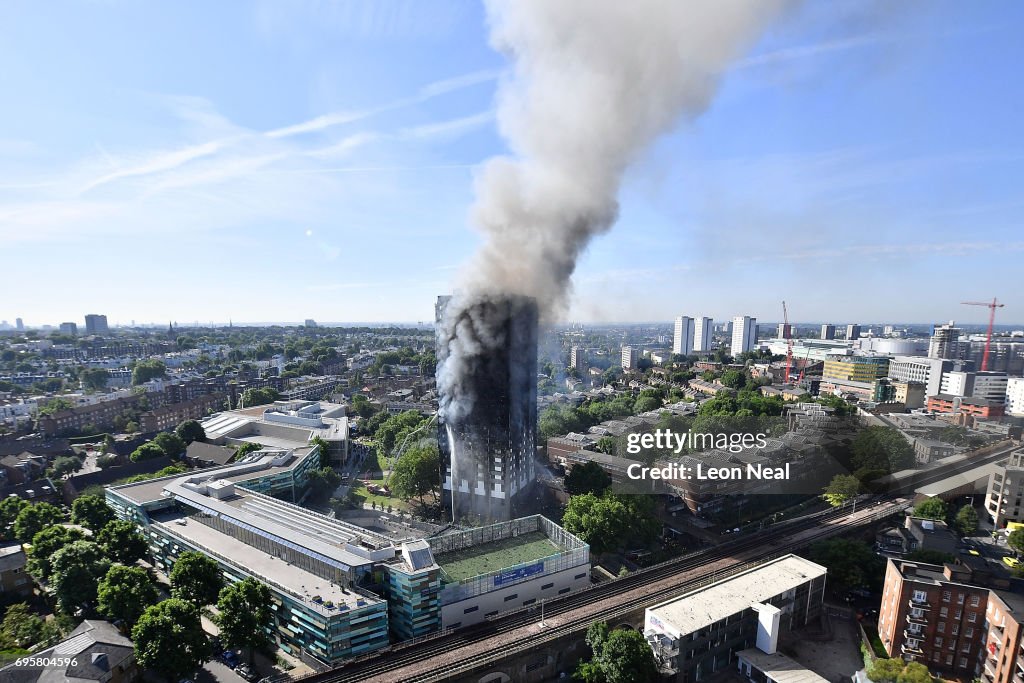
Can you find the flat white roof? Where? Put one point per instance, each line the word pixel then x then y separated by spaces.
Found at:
pixel 704 606
pixel 779 668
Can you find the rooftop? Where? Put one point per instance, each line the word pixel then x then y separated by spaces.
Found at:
pixel 494 556
pixel 779 667
pixel 270 569
pixel 702 607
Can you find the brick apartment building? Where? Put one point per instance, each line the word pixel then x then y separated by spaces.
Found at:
pixel 933 615
pixel 962 624
pixel 974 407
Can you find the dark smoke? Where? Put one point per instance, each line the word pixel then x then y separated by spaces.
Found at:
pixel 593 83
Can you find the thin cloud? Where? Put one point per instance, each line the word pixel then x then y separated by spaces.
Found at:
pixel 427 92
pixel 452 127
pixel 813 50
pixel 162 162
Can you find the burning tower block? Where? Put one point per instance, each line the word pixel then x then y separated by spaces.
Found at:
pixel 487 379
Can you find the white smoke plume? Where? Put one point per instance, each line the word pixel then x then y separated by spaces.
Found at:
pixel 592 84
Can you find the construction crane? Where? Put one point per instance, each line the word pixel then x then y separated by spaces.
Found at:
pixel 803 368
pixel 991 321
pixel 789 340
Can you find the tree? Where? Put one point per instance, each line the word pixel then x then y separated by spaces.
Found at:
pixel 842 488
pixel 146 370
pixel 21 628
pixel 627 658
pixel 930 556
pixel 881 448
pixel 65 465
pixel 647 403
pixel 417 472
pixel 244 611
pixel 196 578
pixel 189 431
pixel 932 508
pixel 886 670
pixel 10 507
pixel 587 477
pixel 850 563
pixel 966 521
pixel 322 483
pixel 34 518
pixel 146 451
pixel 94 379
pixel 914 672
pixel 77 569
pixel 170 443
pixel 92 512
pixel 246 448
pixel 123 542
pixel 1016 540
pixel 734 379
pixel 169 638
pixel 606 521
pixel 125 593
pixel 259 397
pixel 324 448
pixel 45 544
pixel 606 444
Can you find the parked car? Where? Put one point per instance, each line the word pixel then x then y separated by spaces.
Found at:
pixel 246 672
pixel 229 658
pixel 1011 562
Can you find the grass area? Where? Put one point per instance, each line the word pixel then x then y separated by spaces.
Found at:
pixel 481 559
pixel 876 641
pixel 361 495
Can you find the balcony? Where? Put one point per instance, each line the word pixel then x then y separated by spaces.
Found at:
pixel 911 650
pixel 916 635
pixel 919 604
pixel 911 619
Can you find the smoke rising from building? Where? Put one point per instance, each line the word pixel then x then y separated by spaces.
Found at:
pixel 593 83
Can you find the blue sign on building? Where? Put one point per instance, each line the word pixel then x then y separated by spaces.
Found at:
pixel 519 573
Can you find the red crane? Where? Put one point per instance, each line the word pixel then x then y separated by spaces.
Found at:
pixel 991 321
pixel 789 340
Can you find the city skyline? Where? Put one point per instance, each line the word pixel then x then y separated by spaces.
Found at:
pixel 285 179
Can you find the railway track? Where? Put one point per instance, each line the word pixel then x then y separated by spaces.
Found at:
pixel 723 560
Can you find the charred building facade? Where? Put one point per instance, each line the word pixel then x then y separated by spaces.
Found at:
pixel 487 380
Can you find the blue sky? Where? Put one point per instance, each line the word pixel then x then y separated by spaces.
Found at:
pixel 269 161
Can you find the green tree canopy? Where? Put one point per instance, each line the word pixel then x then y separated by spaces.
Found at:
pixel 882 448
pixel 885 670
pixel 77 569
pixel 322 482
pixel 842 489
pixel 10 507
pixel 244 612
pixel 146 451
pixel 125 593
pixel 92 512
pixel 169 638
pixel 607 521
pixel 189 431
pixel 587 477
pixel 914 672
pixel 850 563
pixel 123 542
pixel 966 521
pixel 21 628
pixel 170 443
pixel 259 397
pixel 417 472
pixel 932 508
pixel 1016 540
pixel 94 379
pixel 196 578
pixel 34 518
pixel 45 544
pixel 146 370
pixel 66 464
pixel 627 658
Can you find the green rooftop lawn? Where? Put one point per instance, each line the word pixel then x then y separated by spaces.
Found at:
pixel 490 557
